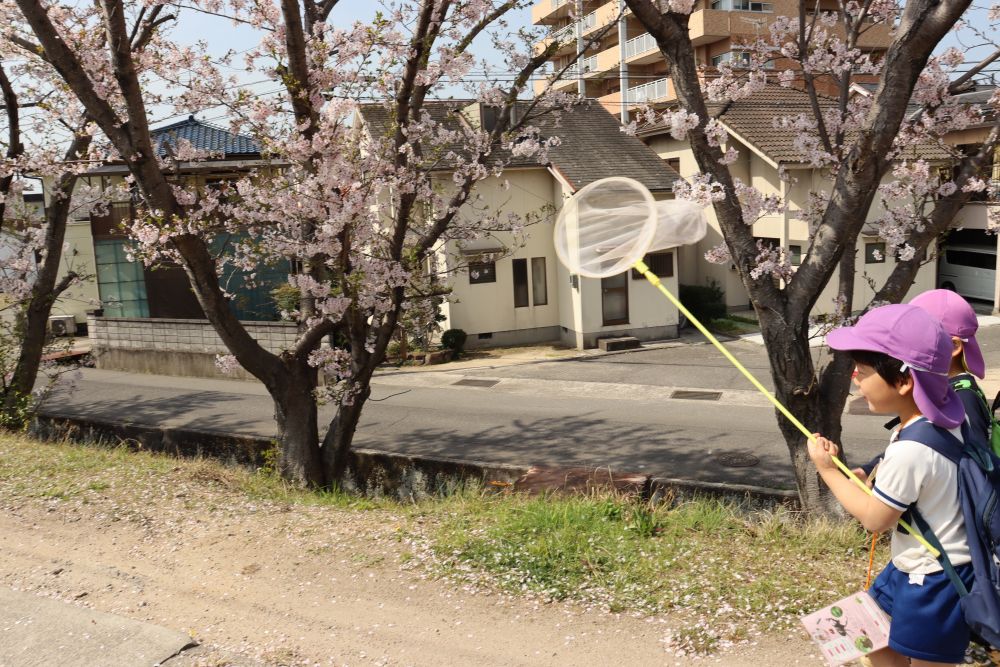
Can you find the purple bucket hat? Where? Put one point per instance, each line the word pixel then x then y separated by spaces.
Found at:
pixel 912 335
pixel 958 320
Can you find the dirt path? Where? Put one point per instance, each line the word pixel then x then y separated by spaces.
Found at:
pixel 265 585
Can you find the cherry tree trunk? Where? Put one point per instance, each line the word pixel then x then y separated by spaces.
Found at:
pixel 45 291
pixel 337 444
pixel 798 389
pixel 295 412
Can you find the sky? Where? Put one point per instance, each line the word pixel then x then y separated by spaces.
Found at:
pixel 222 35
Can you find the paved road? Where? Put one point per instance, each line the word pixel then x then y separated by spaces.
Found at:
pixel 615 410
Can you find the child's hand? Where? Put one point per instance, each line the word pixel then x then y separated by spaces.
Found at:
pixel 822 451
pixel 862 475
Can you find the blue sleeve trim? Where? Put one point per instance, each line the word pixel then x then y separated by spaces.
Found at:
pixel 889 500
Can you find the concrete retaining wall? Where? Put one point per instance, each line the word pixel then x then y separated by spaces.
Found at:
pixel 174 347
pixel 371 473
pixel 384 474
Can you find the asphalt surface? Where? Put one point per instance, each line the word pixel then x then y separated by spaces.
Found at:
pixel 673 410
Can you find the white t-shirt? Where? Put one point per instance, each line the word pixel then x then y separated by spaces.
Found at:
pixel 912 472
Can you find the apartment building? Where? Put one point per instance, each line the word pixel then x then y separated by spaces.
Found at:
pixel 611 58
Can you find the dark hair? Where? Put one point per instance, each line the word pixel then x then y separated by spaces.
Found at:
pixel 890 368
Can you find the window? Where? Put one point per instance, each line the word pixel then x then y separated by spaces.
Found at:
pixel 489 115
pixel 675 164
pixel 767 241
pixel 660 263
pixel 121 283
pixel 482 272
pixel 539 291
pixel 742 6
pixel 874 253
pixel 795 255
pixel 520 283
pixel 738 59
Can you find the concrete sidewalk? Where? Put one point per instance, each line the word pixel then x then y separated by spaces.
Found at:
pixel 40 632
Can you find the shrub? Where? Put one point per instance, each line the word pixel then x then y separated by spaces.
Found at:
pixel 454 340
pixel 706 302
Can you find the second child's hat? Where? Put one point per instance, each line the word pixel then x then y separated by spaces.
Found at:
pixel 912 335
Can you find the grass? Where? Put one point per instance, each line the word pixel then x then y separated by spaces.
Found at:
pixel 734 325
pixel 33 469
pixel 723 573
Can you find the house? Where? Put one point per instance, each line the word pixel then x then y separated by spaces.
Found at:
pixel 504 293
pixel 764 152
pixel 973 225
pixel 147 318
pixel 98 246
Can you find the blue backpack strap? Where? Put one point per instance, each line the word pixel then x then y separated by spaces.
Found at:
pixel 943 442
pixel 943 559
pixel 939 439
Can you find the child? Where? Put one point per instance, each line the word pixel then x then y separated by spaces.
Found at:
pixel 902 356
pixel 960 322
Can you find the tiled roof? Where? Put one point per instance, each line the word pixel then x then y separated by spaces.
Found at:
pixel 752 119
pixel 203 137
pixel 592 144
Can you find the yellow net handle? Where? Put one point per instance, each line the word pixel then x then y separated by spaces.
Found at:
pixel 641 267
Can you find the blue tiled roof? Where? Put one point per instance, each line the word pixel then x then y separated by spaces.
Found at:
pixel 204 137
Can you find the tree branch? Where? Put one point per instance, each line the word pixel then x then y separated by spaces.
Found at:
pixel 15 149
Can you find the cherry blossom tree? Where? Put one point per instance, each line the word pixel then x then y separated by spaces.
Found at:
pixel 47 137
pixel 861 141
pixel 350 198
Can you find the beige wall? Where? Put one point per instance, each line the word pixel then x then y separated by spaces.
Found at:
pixel 573 314
pixel 78 256
pixel 486 308
pixel 751 168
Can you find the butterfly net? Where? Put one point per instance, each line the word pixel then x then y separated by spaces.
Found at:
pixel 611 224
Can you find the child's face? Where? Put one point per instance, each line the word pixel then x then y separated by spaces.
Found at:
pixel 882 397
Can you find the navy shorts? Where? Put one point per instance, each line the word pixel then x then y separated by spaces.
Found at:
pixel 928 623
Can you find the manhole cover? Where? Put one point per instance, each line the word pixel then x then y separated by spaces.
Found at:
pixel 697 395
pixel 473 382
pixel 737 459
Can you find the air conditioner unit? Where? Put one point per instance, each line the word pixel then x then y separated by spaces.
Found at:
pixel 62 325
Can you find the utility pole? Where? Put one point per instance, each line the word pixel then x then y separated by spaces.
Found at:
pixel 622 65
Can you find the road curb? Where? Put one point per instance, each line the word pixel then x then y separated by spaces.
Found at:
pixel 371 472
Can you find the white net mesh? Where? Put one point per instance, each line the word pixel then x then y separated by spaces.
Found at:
pixel 611 224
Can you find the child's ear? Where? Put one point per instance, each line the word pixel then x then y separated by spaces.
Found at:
pixel 905 386
pixel 957 346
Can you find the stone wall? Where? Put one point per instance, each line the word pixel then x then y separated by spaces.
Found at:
pixel 174 347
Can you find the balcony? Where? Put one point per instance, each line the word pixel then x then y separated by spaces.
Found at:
pixel 601 17
pixel 567 84
pixel 710 25
pixel 612 103
pixel 566 35
pixel 650 92
pixel 550 11
pixel 605 61
pixel 642 50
